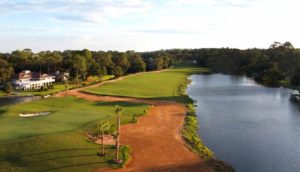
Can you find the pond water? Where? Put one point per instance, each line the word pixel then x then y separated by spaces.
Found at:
pixel 12 100
pixel 252 127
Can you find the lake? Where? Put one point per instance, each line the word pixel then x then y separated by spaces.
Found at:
pixel 252 127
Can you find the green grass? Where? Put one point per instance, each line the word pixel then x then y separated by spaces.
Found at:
pixel 57 141
pixel 58 87
pixel 162 85
pixel 287 84
pixel 68 114
pixel 2 93
pixel 61 152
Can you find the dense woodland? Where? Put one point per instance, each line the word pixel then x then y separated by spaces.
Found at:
pixel 272 66
pixel 80 64
pixel 278 64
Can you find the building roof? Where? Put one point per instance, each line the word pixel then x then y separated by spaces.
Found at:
pixel 31 75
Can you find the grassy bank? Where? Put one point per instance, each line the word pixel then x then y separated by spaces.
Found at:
pixel 190 129
pixel 287 84
pixel 58 141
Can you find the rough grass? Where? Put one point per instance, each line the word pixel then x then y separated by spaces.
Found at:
pixel 57 142
pixel 190 128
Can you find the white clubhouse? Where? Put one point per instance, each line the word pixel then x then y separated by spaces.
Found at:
pixel 27 80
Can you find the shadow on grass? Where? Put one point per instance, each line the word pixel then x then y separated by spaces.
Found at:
pixel 180 99
pixel 63 157
pixel 60 150
pixel 74 165
pixel 119 103
pixel 2 111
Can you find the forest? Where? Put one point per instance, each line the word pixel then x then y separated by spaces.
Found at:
pixel 80 64
pixel 278 64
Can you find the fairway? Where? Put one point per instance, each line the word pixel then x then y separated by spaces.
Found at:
pixel 67 114
pixel 57 141
pixel 162 85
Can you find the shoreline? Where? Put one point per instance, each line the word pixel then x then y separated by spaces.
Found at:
pixel 191 128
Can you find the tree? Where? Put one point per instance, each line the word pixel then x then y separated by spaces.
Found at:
pixel 101 128
pixel 8 88
pixel 6 71
pixel 158 63
pixel 121 60
pixel 118 111
pixel 79 67
pixel 137 63
pixel 295 80
pixel 272 76
pixel 20 59
pixel 117 71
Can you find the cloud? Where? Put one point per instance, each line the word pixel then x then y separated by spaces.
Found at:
pixel 165 31
pixel 76 10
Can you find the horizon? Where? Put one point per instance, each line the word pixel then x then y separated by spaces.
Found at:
pixel 148 25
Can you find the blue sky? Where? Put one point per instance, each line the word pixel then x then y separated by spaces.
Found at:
pixel 145 25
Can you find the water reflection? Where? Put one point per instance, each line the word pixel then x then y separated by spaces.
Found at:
pixel 255 128
pixel 12 100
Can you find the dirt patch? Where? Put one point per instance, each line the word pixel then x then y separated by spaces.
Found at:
pixel 108 139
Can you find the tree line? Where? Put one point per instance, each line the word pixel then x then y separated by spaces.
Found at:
pixel 280 62
pixel 81 64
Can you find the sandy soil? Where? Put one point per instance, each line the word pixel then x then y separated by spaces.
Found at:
pixel 155 140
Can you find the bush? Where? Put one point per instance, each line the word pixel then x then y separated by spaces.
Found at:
pixel 135 118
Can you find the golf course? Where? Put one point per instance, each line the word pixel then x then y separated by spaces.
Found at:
pixel 57 141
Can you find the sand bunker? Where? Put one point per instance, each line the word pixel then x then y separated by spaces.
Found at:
pixel 25 115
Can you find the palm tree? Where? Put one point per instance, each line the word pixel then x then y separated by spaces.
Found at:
pixel 118 111
pixel 102 127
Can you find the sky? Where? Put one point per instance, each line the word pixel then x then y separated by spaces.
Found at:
pixel 146 25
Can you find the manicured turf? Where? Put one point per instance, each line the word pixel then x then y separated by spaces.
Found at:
pixel 57 141
pixel 68 152
pixel 163 85
pixel 68 113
